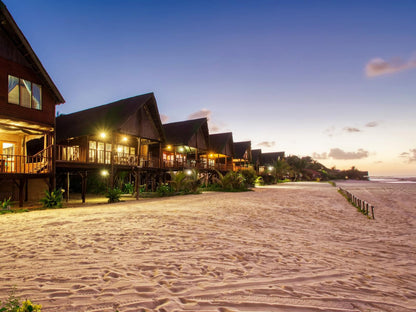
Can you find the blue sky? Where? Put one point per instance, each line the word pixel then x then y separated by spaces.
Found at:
pixel 331 79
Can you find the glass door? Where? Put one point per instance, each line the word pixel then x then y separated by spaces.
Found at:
pixel 8 159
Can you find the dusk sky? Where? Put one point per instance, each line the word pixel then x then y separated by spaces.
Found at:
pixel 335 80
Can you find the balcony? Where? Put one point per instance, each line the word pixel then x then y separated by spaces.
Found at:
pixel 41 163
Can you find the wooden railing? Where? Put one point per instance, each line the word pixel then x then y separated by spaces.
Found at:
pixel 36 164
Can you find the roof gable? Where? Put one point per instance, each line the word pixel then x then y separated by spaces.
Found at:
pixel 22 52
pixel 193 133
pixel 222 143
pixel 136 116
pixel 240 148
pixel 270 158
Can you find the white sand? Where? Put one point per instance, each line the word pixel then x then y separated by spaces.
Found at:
pixel 294 247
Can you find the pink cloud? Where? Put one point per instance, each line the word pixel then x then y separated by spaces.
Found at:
pixel 378 66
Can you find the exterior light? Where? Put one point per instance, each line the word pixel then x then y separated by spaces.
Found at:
pixel 180 149
pixel 103 135
pixel 270 168
pixel 169 147
pixel 125 139
pixel 211 155
pixel 188 172
pixel 104 173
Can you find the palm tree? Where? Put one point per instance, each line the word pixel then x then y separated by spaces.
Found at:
pixel 231 181
pixel 178 180
pixel 281 167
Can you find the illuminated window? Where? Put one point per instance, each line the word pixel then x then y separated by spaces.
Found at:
pixel 24 93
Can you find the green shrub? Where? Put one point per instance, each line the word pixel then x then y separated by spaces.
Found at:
pixel 249 176
pixel 52 199
pixel 128 188
pixel 163 190
pixel 232 181
pixel 12 304
pixel 113 195
pixel 6 204
pixel 259 181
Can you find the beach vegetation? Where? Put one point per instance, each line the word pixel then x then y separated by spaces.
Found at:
pixel 52 199
pixel 231 181
pixel 128 188
pixel 113 195
pixel 12 304
pixel 6 204
pixel 164 190
pixel 178 180
pixel 249 176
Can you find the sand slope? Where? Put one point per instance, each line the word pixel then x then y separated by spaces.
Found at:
pixel 294 247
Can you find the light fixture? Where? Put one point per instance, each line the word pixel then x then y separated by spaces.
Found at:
pixel 211 155
pixel 125 139
pixel 180 149
pixel 270 168
pixel 188 172
pixel 169 147
pixel 103 135
pixel 119 149
pixel 104 173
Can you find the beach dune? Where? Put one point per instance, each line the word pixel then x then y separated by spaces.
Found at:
pixel 292 247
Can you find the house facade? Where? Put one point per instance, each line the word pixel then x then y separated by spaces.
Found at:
pixel 123 136
pixel 28 98
pixel 242 158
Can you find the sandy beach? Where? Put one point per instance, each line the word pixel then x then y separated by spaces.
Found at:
pixel 291 247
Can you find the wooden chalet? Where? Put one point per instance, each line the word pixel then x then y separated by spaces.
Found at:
pixel 125 135
pixel 27 116
pixel 186 144
pixel 268 159
pixel 242 158
pixel 221 151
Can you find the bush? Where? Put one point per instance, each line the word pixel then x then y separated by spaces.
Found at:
pixel 6 204
pixel 232 181
pixel 249 176
pixel 52 199
pixel 13 305
pixel 128 188
pixel 163 190
pixel 113 195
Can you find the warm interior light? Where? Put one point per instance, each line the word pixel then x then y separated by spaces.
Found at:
pixel 169 147
pixel 103 135
pixel 119 149
pixel 125 139
pixel 180 149
pixel 211 155
pixel 104 173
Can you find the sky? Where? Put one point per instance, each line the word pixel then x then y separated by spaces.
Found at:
pixel 335 80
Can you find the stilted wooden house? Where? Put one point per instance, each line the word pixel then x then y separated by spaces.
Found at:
pixel 186 144
pixel 242 155
pixel 221 152
pixel 125 135
pixel 27 117
pixel 268 159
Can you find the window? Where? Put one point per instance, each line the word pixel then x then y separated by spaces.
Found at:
pixel 25 93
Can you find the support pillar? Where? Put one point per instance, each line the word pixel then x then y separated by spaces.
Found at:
pixel 83 185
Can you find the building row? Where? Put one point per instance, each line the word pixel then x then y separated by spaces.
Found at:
pixel 38 149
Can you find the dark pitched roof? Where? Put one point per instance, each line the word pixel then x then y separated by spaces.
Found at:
pixel 121 116
pixel 220 141
pixel 8 24
pixel 181 132
pixel 240 148
pixel 256 155
pixel 270 158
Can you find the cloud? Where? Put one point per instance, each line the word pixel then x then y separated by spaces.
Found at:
pixel 337 153
pixel 267 143
pixel 371 124
pixel 378 66
pixel 409 156
pixel 320 155
pixel 201 114
pixel 378 162
pixel 351 130
pixel 330 131
pixel 164 118
pixel 206 113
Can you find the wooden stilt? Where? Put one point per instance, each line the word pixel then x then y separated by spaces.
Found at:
pixel 67 187
pixel 83 185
